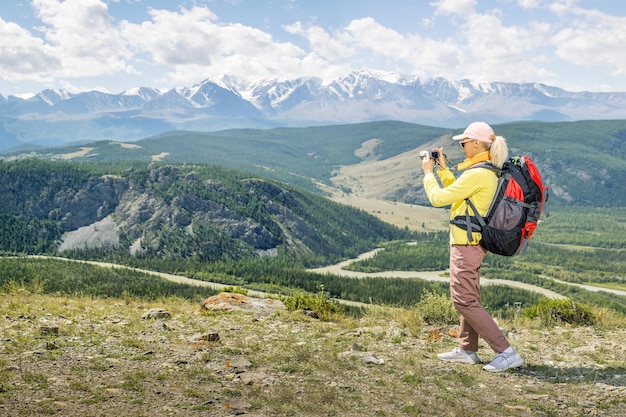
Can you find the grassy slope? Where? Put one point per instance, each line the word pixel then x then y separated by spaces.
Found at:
pixel 107 360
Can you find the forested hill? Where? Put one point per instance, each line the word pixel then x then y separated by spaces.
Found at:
pixel 582 162
pixel 203 213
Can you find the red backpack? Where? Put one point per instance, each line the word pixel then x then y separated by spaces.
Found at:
pixel 515 210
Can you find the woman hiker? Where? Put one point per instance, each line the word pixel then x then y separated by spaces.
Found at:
pixel 480 145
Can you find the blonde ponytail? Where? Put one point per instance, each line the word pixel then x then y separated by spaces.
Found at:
pixel 498 151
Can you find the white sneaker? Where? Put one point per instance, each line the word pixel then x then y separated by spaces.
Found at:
pixel 503 361
pixel 459 355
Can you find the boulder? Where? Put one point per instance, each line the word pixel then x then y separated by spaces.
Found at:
pixel 227 301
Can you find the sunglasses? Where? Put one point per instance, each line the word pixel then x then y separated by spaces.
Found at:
pixel 463 142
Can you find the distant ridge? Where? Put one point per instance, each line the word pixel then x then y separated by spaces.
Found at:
pixel 54 117
pixel 582 161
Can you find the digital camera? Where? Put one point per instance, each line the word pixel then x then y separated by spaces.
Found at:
pixel 431 154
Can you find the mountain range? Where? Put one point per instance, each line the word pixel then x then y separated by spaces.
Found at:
pixel 55 117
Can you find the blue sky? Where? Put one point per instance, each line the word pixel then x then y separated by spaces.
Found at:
pixel 113 45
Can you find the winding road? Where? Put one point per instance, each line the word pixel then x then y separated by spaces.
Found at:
pixel 170 277
pixel 337 270
pixel 426 275
pixel 441 276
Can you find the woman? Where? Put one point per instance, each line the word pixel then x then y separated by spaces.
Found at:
pixel 480 145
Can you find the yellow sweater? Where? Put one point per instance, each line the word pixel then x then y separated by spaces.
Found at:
pixel 478 184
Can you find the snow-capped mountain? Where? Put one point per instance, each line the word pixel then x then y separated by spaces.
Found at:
pixel 53 117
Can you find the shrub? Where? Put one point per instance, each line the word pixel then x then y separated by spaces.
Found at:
pixel 319 303
pixel 553 312
pixel 235 290
pixel 436 309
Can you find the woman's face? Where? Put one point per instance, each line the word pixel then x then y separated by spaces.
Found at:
pixel 472 147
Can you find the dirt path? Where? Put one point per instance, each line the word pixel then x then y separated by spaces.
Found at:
pixel 170 277
pixel 426 275
pixel 183 280
pixel 440 276
pixel 592 288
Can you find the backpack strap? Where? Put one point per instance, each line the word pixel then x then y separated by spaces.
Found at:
pixel 476 222
pixel 473 223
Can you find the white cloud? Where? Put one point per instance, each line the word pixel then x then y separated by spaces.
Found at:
pixel 194 41
pixel 321 42
pixel 79 42
pixel 368 34
pixel 410 53
pixel 454 7
pixel 529 4
pixel 24 56
pixel 592 39
pixel 173 38
pixel 563 6
pixel 83 37
pixel 506 53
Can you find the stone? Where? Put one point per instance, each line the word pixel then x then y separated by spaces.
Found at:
pixel 373 360
pixel 227 301
pixel 156 313
pixel 251 378
pixel 49 330
pixel 210 337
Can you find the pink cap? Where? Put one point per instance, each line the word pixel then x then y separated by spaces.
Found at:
pixel 478 130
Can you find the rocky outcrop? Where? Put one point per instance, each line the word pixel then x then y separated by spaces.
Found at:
pixel 101 234
pixel 64 196
pixel 227 301
pixel 98 198
pixel 164 211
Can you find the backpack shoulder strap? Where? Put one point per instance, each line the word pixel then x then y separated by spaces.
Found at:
pixel 488 165
pixel 470 223
pixel 476 222
pixel 468 219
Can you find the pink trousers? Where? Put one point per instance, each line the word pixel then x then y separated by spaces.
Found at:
pixel 465 291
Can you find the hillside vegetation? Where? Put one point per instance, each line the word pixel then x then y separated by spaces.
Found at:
pixel 198 213
pixel 212 224
pixel 582 162
pixel 235 227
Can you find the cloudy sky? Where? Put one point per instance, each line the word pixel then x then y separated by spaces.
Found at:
pixel 113 45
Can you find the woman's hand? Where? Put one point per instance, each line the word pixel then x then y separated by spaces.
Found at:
pixel 441 160
pixel 427 165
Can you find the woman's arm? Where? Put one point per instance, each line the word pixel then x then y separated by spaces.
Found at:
pixel 463 187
